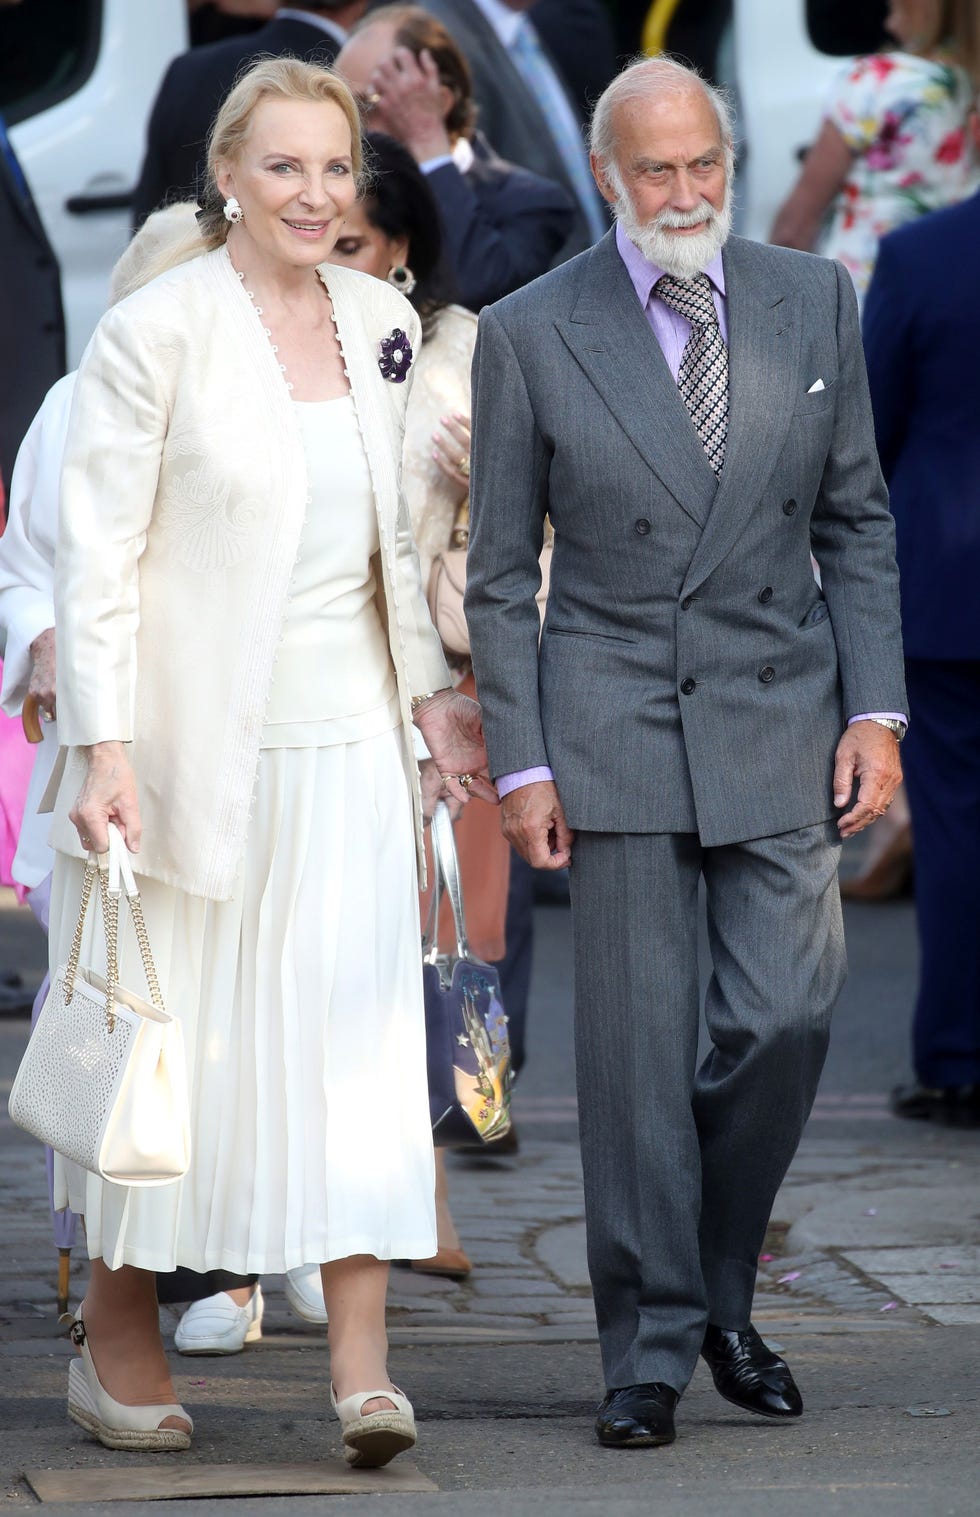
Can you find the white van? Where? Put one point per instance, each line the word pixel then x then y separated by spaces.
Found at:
pixel 782 84
pixel 77 81
pixel 77 88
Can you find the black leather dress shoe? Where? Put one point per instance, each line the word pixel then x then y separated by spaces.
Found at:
pixel 637 1416
pixel 953 1105
pixel 750 1375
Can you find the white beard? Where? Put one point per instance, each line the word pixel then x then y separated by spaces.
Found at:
pixel 683 257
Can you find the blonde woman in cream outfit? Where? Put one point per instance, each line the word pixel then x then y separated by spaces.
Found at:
pixel 243 644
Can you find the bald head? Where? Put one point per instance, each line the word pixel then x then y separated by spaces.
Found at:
pixel 645 84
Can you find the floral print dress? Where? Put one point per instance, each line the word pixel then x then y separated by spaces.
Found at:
pixel 905 120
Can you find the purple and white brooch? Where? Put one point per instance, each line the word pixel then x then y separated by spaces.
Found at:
pixel 395 356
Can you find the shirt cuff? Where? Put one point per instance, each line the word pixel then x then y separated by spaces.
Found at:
pixel 431 164
pixel 508 782
pixel 889 716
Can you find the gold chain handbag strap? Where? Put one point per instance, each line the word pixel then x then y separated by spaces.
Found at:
pixel 110 918
pixel 142 938
pixel 71 968
pixel 115 874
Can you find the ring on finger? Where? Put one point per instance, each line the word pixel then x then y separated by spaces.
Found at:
pixel 464 466
pixel 465 780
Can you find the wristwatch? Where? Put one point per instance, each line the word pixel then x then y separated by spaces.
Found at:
pixel 895 727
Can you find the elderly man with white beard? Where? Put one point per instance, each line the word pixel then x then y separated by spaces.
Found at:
pixel 691 410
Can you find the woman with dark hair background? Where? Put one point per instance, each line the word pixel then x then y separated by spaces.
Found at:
pixel 393 233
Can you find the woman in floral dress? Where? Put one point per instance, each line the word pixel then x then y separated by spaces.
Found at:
pixel 893 144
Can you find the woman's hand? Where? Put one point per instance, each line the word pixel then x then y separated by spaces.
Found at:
pixel 453 732
pixel 434 791
pixel 451 451
pixel 108 794
pixel 42 683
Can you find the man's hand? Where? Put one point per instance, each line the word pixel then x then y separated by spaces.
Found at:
pixel 412 103
pixel 534 823
pixel 453 732
pixel 868 753
pixel 108 794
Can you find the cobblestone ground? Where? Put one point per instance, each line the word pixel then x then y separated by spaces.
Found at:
pixel 870 1280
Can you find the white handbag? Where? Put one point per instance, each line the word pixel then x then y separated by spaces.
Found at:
pixel 103 1079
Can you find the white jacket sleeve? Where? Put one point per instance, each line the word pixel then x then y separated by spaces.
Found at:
pixel 27 547
pixel 108 487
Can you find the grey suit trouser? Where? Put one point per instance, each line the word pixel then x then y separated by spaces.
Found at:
pixel 682 1163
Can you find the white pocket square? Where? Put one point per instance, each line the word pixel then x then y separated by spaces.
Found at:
pixel 818 384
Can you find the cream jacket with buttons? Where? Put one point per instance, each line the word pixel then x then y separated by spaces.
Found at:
pixel 183 497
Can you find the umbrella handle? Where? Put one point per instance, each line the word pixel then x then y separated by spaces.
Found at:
pixel 30 721
pixel 64 1273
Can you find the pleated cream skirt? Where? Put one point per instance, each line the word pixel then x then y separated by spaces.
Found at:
pixel 301 1005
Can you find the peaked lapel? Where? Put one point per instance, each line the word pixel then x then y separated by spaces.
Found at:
pixel 610 338
pixel 764 334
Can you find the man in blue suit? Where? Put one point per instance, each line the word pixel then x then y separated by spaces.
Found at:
pixel 922 339
pixel 502 225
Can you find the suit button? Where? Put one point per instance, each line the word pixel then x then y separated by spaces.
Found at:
pixel 688 686
pixel 687 602
pixel 765 596
pixel 642 527
pixel 789 507
pixel 767 675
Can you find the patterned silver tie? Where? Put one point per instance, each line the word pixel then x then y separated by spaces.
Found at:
pixel 703 375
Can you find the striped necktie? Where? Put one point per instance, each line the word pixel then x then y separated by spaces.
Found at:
pixel 538 74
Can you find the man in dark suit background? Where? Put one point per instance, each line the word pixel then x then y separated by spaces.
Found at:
pixel 579 36
pixel 32 321
pixel 525 107
pixel 922 339
pixel 196 83
pixel 502 226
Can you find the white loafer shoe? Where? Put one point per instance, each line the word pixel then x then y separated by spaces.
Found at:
pixel 217 1325
pixel 304 1292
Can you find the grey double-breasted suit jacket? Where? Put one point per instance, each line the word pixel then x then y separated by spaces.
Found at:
pixel 691 677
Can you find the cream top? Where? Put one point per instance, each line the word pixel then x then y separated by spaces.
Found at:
pixel 334 681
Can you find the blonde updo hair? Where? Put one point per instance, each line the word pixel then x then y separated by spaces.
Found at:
pixel 277 79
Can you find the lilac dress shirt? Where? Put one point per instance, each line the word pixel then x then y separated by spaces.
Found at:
pixel 672 331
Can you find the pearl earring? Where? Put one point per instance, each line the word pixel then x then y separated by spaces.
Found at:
pixel 402 278
pixel 233 211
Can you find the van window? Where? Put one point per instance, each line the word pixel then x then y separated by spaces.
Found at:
pixel 841 27
pixel 48 48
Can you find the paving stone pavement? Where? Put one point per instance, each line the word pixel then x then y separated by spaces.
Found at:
pixel 874 1252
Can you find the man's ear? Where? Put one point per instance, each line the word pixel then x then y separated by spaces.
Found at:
pixel 602 183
